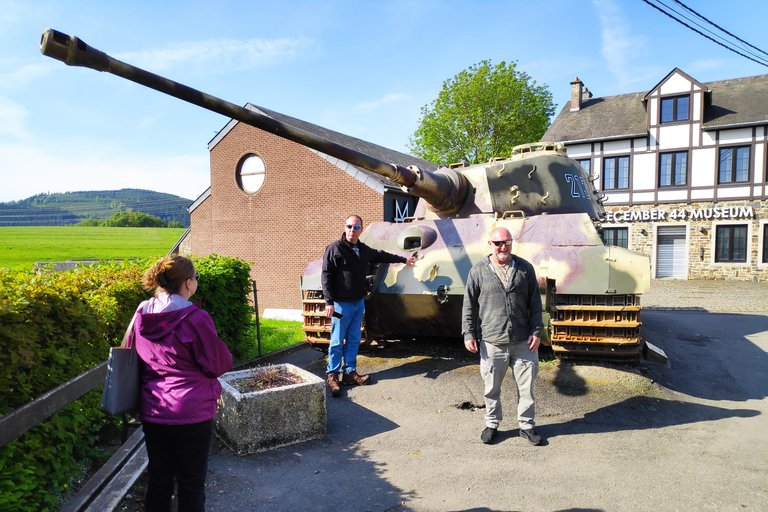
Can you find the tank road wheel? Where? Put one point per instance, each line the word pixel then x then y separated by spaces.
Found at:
pixel 317 327
pixel 596 327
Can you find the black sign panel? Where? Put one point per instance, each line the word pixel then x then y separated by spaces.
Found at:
pixel 398 205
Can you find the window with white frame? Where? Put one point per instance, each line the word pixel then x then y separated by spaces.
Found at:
pixel 733 165
pixel 675 109
pixel 731 243
pixel 615 172
pixel 616 236
pixel 673 169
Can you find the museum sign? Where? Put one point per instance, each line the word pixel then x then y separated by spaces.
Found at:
pixel 700 213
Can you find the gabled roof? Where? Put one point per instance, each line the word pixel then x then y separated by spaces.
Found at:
pixel 381 153
pixel 600 118
pixel 676 71
pixel 729 103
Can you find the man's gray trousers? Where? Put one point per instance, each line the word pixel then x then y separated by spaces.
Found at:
pixel 494 361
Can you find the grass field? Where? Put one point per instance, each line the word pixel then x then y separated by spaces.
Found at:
pixel 28 245
pixel 276 334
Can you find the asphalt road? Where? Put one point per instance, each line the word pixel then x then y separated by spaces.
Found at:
pixel 689 436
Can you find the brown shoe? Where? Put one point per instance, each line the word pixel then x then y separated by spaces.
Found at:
pixel 333 385
pixel 352 378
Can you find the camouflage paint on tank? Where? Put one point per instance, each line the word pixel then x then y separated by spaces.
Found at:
pixel 564 248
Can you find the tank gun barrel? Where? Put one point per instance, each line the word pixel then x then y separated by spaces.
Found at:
pixel 438 189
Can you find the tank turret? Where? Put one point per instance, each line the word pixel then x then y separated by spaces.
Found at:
pixel 546 200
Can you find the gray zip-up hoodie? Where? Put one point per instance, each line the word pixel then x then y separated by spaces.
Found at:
pixel 497 315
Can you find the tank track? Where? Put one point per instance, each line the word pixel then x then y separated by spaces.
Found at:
pixel 317 327
pixel 596 327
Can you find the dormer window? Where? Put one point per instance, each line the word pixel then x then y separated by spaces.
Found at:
pixel 675 109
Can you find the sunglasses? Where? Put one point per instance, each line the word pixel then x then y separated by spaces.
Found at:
pixel 196 276
pixel 354 226
pixel 503 242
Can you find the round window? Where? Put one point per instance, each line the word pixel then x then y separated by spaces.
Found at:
pixel 250 174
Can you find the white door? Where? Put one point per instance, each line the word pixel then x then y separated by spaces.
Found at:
pixel 670 252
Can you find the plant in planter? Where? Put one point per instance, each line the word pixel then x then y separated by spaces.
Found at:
pixel 269 407
pixel 266 377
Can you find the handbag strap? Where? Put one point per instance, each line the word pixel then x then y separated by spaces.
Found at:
pixel 127 338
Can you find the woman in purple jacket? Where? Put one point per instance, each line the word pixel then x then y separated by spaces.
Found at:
pixel 183 358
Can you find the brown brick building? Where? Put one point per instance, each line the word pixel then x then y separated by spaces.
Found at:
pixel 277 204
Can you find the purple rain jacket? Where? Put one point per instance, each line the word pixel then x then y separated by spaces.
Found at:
pixel 183 358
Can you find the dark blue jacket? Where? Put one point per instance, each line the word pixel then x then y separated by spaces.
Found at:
pixel 343 276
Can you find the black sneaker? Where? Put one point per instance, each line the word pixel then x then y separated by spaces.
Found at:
pixel 488 435
pixel 531 435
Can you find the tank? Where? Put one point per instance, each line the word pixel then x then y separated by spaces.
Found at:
pixel 591 292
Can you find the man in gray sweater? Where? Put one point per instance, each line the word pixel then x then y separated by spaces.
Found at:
pixel 502 319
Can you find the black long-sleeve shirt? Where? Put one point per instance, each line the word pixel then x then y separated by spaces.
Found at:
pixel 344 273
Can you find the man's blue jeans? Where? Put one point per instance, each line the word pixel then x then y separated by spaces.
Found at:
pixel 346 328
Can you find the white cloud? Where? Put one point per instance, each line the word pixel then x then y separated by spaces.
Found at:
pixel 220 55
pixel 28 170
pixel 9 14
pixel 620 48
pixel 370 106
pixel 21 75
pixel 12 118
pixel 702 65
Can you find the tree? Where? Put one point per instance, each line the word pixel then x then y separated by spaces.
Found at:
pixel 134 220
pixel 481 113
pixel 91 223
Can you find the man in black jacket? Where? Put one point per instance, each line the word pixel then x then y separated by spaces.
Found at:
pixel 345 267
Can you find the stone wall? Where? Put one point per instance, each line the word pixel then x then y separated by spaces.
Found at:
pixel 700 231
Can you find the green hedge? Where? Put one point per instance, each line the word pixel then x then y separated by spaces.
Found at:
pixel 55 326
pixel 224 289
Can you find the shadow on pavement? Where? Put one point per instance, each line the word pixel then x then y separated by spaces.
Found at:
pixel 638 413
pixel 311 476
pixel 723 358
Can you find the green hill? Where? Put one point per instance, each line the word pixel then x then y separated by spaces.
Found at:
pixel 73 207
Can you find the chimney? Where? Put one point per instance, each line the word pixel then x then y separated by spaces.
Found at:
pixel 576 86
pixel 585 95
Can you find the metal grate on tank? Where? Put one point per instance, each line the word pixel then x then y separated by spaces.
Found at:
pixel 627 318
pixel 597 301
pixel 591 334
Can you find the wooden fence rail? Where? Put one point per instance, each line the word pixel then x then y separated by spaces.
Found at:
pixel 107 487
pixel 18 421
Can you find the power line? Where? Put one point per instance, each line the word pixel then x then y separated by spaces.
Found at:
pixel 695 22
pixel 719 27
pixel 705 35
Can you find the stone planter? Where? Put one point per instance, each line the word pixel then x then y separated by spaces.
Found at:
pixel 257 421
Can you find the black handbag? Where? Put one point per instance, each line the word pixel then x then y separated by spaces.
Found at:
pixel 123 383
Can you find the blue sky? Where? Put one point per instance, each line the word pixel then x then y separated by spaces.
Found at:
pixel 360 67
